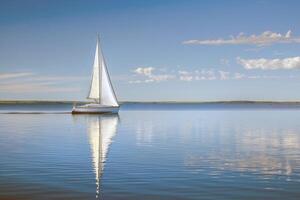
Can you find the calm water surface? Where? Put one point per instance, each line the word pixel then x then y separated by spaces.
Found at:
pixel 151 152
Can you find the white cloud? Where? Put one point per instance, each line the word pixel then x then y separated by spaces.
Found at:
pixel 265 38
pixel 270 64
pixel 161 77
pixel 147 71
pixel 238 76
pixel 34 87
pixel 28 82
pixel 205 74
pixel 186 78
pixel 254 77
pixel 148 76
pixel 14 75
pixel 224 75
pixel 200 75
pixel 185 75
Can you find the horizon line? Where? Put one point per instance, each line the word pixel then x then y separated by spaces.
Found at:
pixel 3 101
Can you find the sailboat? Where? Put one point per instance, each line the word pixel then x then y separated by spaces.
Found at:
pixel 101 131
pixel 101 90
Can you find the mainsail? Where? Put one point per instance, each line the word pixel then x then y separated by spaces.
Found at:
pixel 101 88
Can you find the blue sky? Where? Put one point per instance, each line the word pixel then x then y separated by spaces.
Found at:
pixel 155 50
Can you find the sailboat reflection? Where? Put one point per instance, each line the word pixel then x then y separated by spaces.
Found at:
pixel 101 130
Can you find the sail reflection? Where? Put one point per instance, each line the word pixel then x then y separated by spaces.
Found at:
pixel 101 130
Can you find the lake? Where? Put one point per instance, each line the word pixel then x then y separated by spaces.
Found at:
pixel 150 151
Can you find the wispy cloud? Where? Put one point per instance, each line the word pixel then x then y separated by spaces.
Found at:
pixel 35 87
pixel 265 38
pixel 204 74
pixel 14 75
pixel 146 71
pixel 224 75
pixel 270 64
pixel 147 75
pixel 238 75
pixel 185 76
pixel 28 82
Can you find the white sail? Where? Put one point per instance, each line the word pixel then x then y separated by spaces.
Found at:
pixel 101 131
pixel 95 84
pixel 101 88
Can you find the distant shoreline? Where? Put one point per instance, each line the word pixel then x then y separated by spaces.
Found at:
pixel 151 102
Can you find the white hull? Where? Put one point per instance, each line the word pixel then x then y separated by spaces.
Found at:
pixel 94 109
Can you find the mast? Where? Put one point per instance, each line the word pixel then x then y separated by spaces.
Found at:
pixel 100 58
